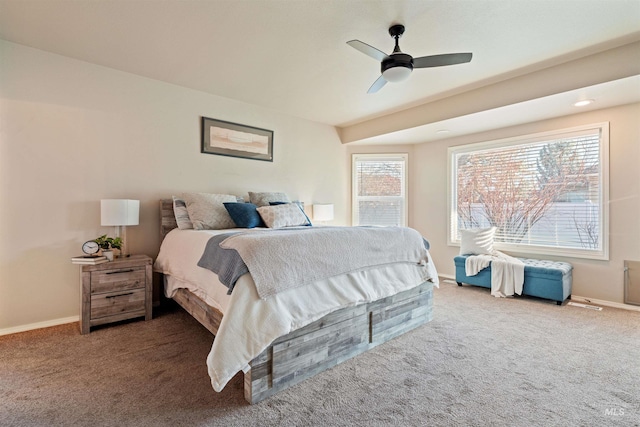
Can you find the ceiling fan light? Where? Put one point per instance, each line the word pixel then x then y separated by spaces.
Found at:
pixel 396 74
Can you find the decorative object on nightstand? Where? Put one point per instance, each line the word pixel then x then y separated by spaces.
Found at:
pixel 107 244
pixel 323 213
pixel 120 213
pixel 91 247
pixel 115 291
pixel 89 259
pixel 91 256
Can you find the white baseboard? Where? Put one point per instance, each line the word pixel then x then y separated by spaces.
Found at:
pixel 576 298
pixel 39 325
pixel 612 304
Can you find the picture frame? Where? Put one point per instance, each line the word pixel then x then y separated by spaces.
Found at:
pixel 236 140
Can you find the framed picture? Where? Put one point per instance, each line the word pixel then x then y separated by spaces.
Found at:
pixel 236 140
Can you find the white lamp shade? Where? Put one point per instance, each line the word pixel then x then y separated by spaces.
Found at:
pixel 119 212
pixel 323 212
pixel 396 74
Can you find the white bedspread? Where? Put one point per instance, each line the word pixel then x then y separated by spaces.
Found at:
pixel 176 260
pixel 507 272
pixel 250 324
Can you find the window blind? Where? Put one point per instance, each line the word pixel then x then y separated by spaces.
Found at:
pixel 379 190
pixel 544 191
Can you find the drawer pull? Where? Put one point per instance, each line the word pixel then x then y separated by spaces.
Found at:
pixel 120 295
pixel 120 271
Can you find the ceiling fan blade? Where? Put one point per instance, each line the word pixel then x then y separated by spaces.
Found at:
pixel 367 50
pixel 440 60
pixel 377 85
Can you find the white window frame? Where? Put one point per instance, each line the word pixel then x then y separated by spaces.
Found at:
pixel 354 183
pixel 600 254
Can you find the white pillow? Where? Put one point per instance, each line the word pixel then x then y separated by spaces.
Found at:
pixel 181 214
pixel 286 215
pixel 477 241
pixel 207 211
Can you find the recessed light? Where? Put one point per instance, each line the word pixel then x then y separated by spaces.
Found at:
pixel 583 103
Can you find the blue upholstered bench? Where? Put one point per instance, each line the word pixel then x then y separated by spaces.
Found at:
pixel 543 279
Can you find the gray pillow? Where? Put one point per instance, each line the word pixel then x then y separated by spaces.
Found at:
pixel 284 215
pixel 207 211
pixel 263 199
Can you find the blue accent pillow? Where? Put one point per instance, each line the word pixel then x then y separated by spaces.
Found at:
pixel 245 215
pixel 299 205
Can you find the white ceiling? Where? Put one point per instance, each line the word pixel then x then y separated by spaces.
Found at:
pixel 291 56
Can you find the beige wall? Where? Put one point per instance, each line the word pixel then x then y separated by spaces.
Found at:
pixel 73 133
pixel 601 280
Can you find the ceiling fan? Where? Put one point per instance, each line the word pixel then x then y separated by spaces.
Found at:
pixel 397 66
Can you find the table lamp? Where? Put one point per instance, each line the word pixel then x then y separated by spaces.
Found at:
pixel 323 212
pixel 120 213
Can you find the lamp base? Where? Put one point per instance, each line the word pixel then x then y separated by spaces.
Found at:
pixel 121 231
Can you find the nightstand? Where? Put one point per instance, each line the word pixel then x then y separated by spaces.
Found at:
pixel 116 290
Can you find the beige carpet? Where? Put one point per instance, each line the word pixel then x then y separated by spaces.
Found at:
pixel 481 361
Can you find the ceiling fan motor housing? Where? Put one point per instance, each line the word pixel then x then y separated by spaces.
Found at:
pixel 397 60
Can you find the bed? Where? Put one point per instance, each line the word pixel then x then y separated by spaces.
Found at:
pixel 315 336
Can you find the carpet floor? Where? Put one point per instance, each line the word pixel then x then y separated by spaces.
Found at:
pixel 482 361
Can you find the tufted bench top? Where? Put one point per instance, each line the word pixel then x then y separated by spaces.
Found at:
pixel 546 267
pixel 537 267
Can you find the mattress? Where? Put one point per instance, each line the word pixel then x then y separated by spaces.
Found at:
pixel 178 259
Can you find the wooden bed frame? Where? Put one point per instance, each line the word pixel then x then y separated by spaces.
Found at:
pixel 322 344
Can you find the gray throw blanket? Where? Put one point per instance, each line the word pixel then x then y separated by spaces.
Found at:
pixel 284 259
pixel 226 263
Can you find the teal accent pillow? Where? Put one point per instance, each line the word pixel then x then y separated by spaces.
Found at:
pixel 245 215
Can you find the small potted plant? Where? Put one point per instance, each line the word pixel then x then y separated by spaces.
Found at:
pixel 107 244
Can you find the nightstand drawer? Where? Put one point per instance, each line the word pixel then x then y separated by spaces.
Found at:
pixel 117 280
pixel 118 290
pixel 114 303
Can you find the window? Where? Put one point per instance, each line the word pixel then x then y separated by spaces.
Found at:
pixel 379 189
pixel 545 193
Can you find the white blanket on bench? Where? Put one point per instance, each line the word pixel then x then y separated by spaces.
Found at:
pixel 507 272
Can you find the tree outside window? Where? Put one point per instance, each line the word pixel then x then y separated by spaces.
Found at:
pixel 546 193
pixel 379 189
